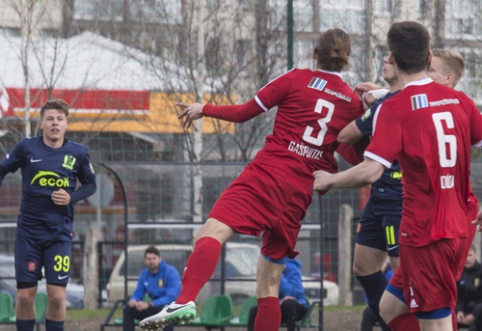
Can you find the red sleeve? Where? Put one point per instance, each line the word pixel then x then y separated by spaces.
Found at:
pixel 353 154
pixel 386 140
pixel 234 113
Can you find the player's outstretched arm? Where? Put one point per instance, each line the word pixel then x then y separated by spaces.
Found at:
pixel 363 174
pixel 231 113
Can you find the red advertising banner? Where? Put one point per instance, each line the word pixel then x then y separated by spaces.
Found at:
pixel 83 103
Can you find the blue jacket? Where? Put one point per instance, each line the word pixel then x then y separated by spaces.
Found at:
pixel 163 287
pixel 290 284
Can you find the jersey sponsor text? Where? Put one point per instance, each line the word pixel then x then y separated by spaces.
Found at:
pixel 447 181
pixel 338 95
pixel 45 178
pixel 305 150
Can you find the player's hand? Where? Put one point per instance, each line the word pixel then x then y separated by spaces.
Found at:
pixel 460 317
pixel 478 221
pixel 322 180
pixel 132 303
pixel 61 197
pixel 469 318
pixel 191 112
pixel 369 99
pixel 361 88
pixel 141 305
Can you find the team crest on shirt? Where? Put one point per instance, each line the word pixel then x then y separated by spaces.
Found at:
pixel 160 283
pixel 317 83
pixel 32 266
pixel 367 114
pixel 69 162
pixel 419 101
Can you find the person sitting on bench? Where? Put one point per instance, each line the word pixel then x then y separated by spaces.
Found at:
pixel 160 281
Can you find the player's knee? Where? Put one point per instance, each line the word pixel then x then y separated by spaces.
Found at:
pixel 56 302
pixel 215 229
pixel 267 288
pixel 359 270
pixel 25 300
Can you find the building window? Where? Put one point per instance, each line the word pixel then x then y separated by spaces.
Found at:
pixel 383 7
pixel 241 48
pixel 213 62
pixel 350 20
pixel 51 33
pixel 103 10
pixel 463 21
pixel 303 51
pixel 303 15
pixel 10 32
pixel 166 11
pixel 424 9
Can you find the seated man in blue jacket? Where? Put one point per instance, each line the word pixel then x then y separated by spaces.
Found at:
pixel 291 295
pixel 160 281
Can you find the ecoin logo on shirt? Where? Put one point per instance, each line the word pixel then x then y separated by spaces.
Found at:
pixel 69 162
pixel 49 178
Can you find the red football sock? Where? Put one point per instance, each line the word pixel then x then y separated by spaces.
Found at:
pixel 406 322
pixel 200 267
pixel 268 317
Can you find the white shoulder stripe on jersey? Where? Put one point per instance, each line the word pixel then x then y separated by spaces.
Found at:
pixel 479 144
pixel 374 124
pixel 260 103
pixel 378 159
pixel 292 69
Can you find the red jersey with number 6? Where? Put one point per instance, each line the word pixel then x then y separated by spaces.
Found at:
pixel 313 107
pixel 429 129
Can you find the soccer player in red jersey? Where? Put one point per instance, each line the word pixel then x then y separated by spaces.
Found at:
pixel 429 128
pixel 273 192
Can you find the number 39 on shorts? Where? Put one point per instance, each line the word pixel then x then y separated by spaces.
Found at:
pixel 62 263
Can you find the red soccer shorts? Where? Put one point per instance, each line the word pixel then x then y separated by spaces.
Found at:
pixel 266 200
pixel 427 275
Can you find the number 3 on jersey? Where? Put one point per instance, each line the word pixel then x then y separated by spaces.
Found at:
pixel 62 263
pixel 443 139
pixel 307 136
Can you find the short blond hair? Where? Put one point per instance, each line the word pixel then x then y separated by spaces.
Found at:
pixel 453 62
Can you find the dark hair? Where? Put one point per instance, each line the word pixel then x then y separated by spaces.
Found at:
pixel 333 48
pixel 58 104
pixel 409 43
pixel 152 250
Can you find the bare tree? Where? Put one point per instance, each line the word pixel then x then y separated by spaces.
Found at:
pixel 236 62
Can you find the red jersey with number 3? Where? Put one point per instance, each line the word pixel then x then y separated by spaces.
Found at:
pixel 313 107
pixel 429 129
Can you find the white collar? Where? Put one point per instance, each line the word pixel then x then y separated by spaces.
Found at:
pixel 423 81
pixel 330 72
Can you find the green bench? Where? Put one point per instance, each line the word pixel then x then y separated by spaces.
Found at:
pixel 7 311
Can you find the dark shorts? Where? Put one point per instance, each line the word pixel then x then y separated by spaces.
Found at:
pixel 33 254
pixel 379 225
pixel 269 201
